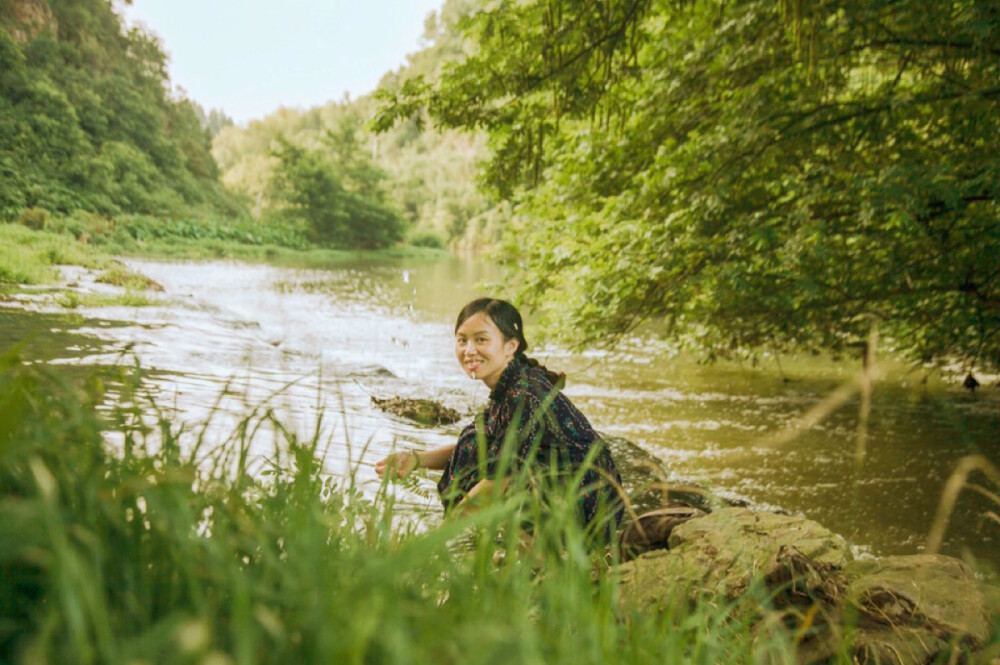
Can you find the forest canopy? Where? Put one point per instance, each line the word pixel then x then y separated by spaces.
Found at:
pixel 88 120
pixel 754 174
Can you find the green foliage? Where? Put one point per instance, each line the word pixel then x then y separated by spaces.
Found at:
pixel 128 234
pixel 751 173
pixel 130 298
pixel 30 257
pixel 87 120
pixel 117 274
pixel 426 239
pixel 33 218
pixel 213 121
pixel 309 186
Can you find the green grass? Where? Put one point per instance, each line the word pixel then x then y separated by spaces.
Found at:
pixel 117 274
pixel 72 299
pixel 150 550
pixel 309 257
pixel 30 257
pixel 94 238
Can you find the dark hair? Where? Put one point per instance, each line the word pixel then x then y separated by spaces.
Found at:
pixel 508 320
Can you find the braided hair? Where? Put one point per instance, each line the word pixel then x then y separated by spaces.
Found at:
pixel 508 320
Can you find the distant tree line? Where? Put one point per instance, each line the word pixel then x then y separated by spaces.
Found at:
pixel 428 176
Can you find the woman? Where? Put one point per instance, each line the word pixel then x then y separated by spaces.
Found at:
pixel 529 429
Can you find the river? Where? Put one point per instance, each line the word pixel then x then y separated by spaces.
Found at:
pixel 316 344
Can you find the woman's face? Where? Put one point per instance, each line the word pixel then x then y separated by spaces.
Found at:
pixel 481 349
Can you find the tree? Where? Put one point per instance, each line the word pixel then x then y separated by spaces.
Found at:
pixel 308 186
pixel 753 173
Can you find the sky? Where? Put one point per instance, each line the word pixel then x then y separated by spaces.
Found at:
pixel 250 57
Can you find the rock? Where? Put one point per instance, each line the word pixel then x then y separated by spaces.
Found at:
pixel 646 481
pixel 721 555
pixel 916 605
pixel 780 572
pixel 651 530
pixel 424 411
pixel 369 372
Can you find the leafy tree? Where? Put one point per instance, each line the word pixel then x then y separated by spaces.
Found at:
pixel 306 182
pixel 753 173
pixel 352 160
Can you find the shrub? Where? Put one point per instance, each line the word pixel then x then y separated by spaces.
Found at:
pixel 426 239
pixel 33 218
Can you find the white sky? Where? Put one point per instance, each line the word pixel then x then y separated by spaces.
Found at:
pixel 249 57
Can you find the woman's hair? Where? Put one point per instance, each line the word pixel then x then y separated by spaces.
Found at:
pixel 508 320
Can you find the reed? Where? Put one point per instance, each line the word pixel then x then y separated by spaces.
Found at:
pixel 958 481
pixel 123 540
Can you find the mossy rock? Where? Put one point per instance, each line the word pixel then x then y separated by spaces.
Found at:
pixel 917 605
pixel 424 411
pixel 724 554
pixel 779 570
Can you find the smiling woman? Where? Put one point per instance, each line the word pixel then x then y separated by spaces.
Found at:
pixel 529 431
pixel 482 350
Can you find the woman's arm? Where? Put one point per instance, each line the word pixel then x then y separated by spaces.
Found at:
pixel 436 458
pixel 406 462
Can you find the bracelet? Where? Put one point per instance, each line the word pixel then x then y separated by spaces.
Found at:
pixel 416 456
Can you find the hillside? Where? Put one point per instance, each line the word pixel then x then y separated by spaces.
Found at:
pixel 88 120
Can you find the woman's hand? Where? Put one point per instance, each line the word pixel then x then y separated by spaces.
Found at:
pixel 407 461
pixel 398 464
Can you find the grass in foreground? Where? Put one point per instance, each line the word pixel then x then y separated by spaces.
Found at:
pixel 143 551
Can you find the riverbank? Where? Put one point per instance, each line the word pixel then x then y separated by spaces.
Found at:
pixel 29 256
pixel 146 550
pixel 224 317
pixel 381 327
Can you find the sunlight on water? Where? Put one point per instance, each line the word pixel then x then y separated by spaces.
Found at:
pixel 316 345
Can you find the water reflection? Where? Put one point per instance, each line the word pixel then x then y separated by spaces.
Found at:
pixel 315 345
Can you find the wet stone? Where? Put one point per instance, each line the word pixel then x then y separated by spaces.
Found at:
pixel 647 483
pixel 424 411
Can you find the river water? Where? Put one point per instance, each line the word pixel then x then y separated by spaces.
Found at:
pixel 315 345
